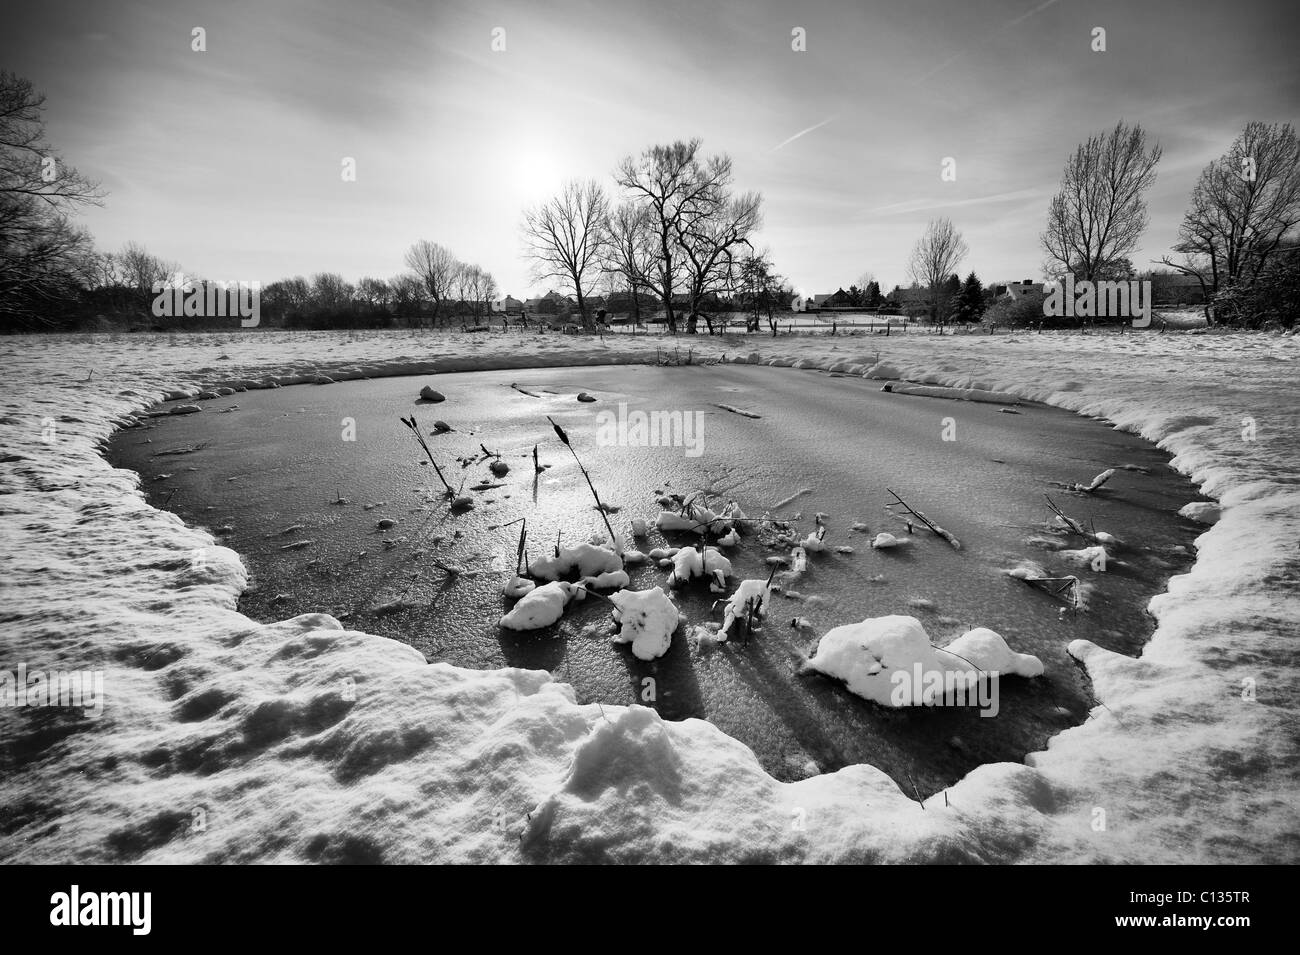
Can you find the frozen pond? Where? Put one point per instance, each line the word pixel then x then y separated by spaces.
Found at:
pixel 821 443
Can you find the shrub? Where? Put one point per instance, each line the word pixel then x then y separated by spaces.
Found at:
pixel 1027 310
pixel 1272 298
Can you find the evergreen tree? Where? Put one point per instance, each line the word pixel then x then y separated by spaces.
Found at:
pixel 970 301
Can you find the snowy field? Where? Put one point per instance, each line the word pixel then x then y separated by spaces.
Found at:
pixel 223 740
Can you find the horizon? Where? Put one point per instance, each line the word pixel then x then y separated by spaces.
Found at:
pixel 228 161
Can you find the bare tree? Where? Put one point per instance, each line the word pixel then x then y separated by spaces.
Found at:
pixel 376 293
pixel 1244 206
pixel 42 254
pixel 677 188
pixel 331 291
pixel 565 238
pixel 409 296
pixel 708 236
pixel 1099 214
pixel 629 253
pixel 141 270
pixel 482 289
pixel 935 257
pixel 761 290
pixel 436 268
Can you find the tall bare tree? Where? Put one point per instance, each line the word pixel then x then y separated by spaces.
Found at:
pixel 935 257
pixel 42 254
pixel 1099 214
pixel 709 238
pixel 1243 208
pixel 476 288
pixel 436 268
pixel 677 188
pixel 629 253
pixel 565 237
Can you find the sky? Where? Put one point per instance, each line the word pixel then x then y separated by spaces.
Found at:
pixel 230 160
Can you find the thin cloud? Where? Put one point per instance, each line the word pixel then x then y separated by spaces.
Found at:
pixel 924 205
pixel 1010 23
pixel 802 132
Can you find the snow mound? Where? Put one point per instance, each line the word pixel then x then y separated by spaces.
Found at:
pixel 1094 557
pixel 690 562
pixel 587 560
pixel 647 620
pixel 1203 512
pixel 518 586
pixel 987 650
pixel 540 607
pixel 890 660
pixel 866 656
pixel 885 540
pixel 751 595
pixel 611 579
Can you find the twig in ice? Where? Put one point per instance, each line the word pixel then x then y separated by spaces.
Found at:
pixel 1071 523
pixel 931 525
pixel 1097 482
pixel 410 423
pixel 613 538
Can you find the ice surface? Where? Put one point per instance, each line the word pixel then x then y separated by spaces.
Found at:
pixel 304 741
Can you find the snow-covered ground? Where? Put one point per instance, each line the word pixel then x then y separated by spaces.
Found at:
pixel 225 740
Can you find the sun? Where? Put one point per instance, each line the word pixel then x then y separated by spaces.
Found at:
pixel 537 174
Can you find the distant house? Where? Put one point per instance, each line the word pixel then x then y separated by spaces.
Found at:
pixel 821 301
pixel 552 303
pixel 1019 290
pixel 509 305
pixel 800 302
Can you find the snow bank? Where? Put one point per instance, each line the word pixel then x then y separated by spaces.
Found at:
pixel 303 741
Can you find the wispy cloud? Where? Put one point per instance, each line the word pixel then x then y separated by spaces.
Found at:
pixel 925 205
pixel 802 132
pixel 1010 23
